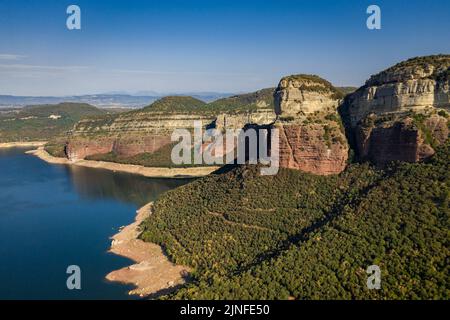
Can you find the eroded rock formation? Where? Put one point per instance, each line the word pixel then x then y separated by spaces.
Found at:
pixel 311 135
pixel 400 113
pixel 128 134
pixel 148 130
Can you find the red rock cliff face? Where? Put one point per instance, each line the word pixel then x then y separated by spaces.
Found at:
pixel 80 148
pixel 303 147
pixel 311 137
pixel 400 140
pixel 128 134
pixel 130 146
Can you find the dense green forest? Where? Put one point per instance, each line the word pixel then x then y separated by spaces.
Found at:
pixel 300 236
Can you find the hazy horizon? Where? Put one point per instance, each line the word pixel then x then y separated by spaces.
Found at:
pixel 206 46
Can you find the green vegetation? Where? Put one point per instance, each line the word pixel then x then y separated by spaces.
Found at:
pixel 175 104
pixel 296 235
pixel 439 61
pixel 56 148
pixel 440 64
pixel 43 122
pixel 235 104
pixel 286 118
pixel 320 85
pixel 244 102
pixel 419 122
pixel 347 90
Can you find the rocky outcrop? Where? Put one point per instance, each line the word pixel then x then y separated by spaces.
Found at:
pixel 127 134
pixel 394 116
pixel 311 136
pixel 304 147
pixel 148 130
pixel 304 94
pixel 240 120
pixel 411 85
pixel 400 139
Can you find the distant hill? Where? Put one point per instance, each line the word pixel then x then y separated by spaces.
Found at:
pixel 102 100
pixel 347 90
pixel 245 102
pixel 237 103
pixel 44 121
pixel 175 104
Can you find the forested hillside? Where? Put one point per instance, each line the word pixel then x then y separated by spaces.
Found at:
pixel 296 235
pixel 43 122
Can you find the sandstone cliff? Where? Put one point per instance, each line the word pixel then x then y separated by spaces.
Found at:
pixel 394 116
pixel 312 137
pixel 131 133
pixel 148 130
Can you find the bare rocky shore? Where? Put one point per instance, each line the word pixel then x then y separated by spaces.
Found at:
pixel 150 172
pixel 22 144
pixel 153 273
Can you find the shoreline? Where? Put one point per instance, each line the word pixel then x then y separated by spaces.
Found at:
pixel 24 144
pixel 149 172
pixel 153 273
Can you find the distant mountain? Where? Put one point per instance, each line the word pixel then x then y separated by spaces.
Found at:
pixel 98 100
pixel 109 100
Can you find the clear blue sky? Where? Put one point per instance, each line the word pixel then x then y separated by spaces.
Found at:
pixel 210 45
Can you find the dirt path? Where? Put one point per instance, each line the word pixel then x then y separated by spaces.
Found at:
pixel 153 273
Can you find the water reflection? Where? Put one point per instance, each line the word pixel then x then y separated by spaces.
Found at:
pixel 94 184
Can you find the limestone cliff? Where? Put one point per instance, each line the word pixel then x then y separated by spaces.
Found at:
pixel 394 116
pixel 311 135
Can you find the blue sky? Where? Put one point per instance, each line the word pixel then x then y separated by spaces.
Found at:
pixel 207 45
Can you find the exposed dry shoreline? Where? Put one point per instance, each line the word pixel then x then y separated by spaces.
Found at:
pixel 22 144
pixel 128 168
pixel 153 273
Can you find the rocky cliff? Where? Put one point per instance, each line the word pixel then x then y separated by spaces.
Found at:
pixel 149 129
pixel 128 134
pixel 401 112
pixel 311 135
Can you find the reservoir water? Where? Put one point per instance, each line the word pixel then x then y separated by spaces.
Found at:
pixel 53 216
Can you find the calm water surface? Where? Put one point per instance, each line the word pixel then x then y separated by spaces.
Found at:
pixel 53 216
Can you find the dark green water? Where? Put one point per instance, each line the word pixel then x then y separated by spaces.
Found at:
pixel 53 216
